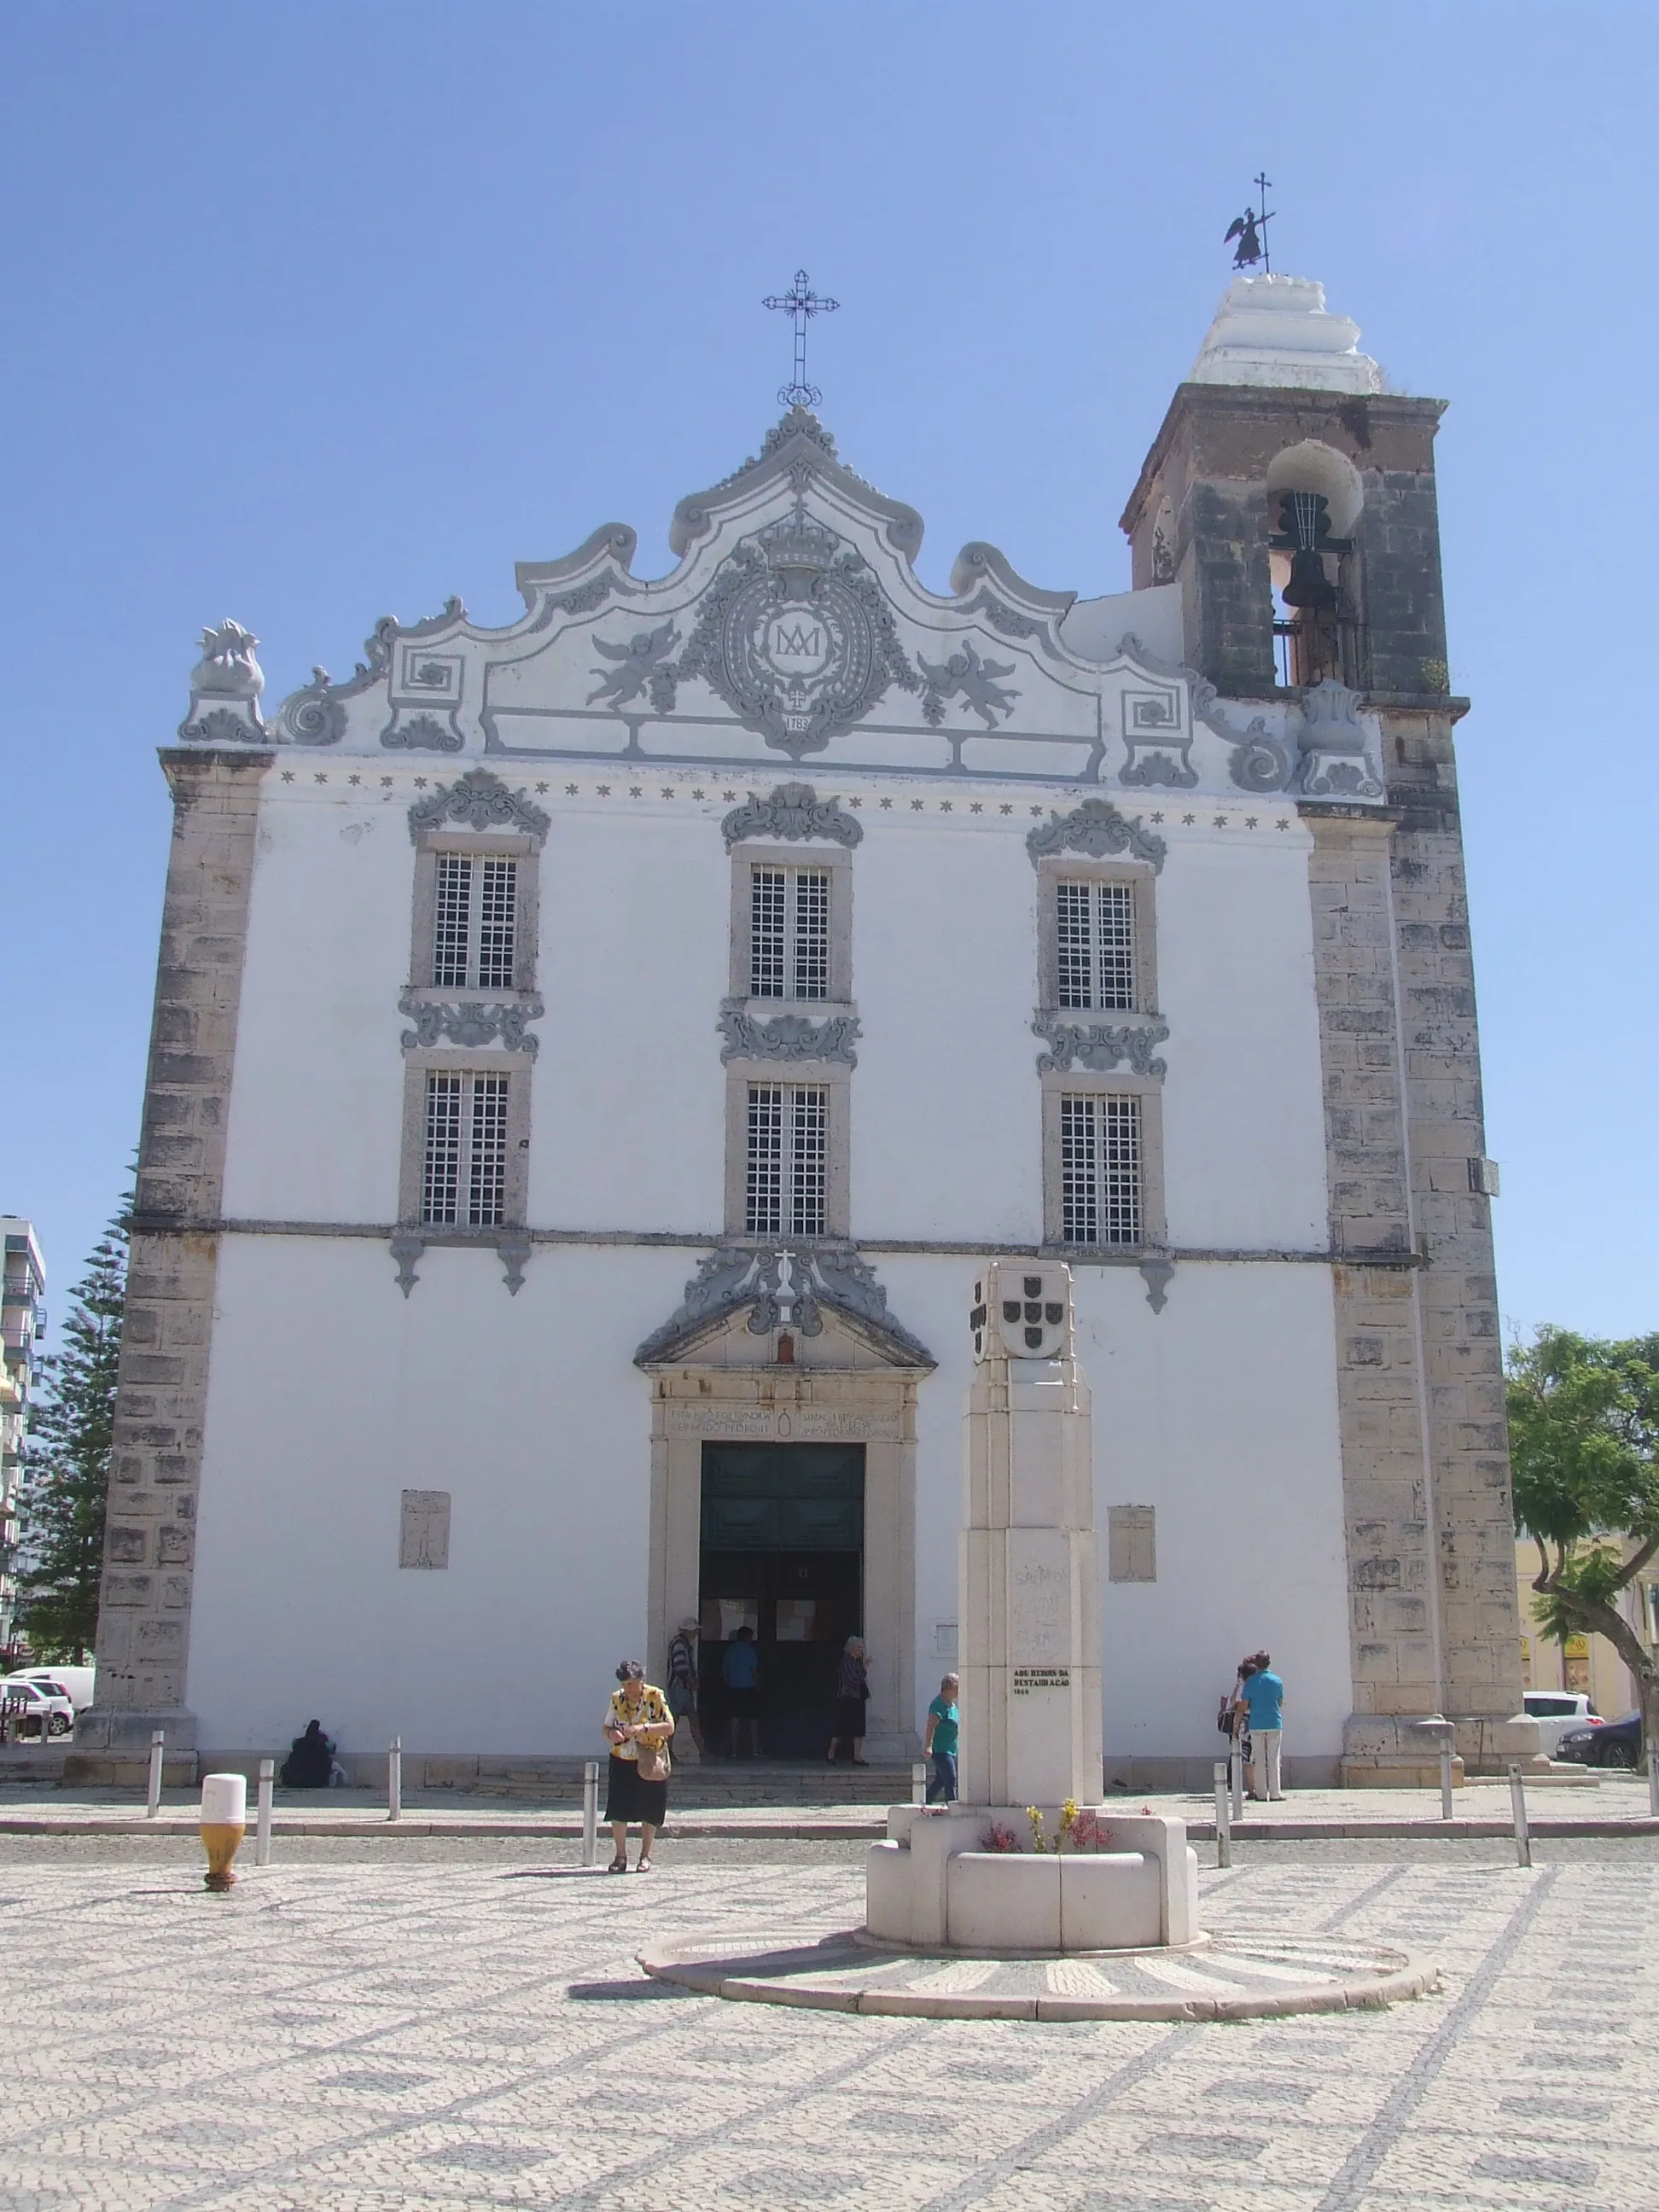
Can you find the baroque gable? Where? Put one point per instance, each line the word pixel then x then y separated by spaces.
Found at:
pixel 794 628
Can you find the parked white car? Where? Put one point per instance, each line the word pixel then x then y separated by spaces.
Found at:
pixel 74 1683
pixel 25 1702
pixel 1556 1711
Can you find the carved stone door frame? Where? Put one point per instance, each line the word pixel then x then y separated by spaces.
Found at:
pixel 875 1407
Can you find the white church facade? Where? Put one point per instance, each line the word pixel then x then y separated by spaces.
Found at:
pixel 592 1057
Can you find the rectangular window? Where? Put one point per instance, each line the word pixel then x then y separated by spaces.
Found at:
pixel 789 933
pixel 1096 946
pixel 1100 1153
pixel 786 1179
pixel 464 1166
pixel 475 922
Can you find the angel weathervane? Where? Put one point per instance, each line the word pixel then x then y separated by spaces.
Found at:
pixel 1251 230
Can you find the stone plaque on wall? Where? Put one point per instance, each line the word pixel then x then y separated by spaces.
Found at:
pixel 1132 1544
pixel 423 1540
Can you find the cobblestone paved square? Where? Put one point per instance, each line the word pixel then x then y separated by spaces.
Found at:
pixel 378 2028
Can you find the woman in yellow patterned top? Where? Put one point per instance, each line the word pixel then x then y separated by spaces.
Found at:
pixel 637 1721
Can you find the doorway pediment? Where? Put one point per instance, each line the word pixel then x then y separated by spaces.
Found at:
pixel 742 1299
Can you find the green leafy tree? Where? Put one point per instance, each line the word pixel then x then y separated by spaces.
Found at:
pixel 66 1473
pixel 1584 1439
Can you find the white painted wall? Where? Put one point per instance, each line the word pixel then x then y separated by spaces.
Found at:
pixel 628 1114
pixel 330 1394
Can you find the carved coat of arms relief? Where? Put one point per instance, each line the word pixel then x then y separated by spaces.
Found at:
pixel 792 631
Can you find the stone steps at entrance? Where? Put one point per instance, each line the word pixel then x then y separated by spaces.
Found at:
pixel 710 1783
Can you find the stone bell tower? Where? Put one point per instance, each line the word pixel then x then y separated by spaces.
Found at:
pixel 1292 501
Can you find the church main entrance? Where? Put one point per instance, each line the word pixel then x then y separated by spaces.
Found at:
pixel 783 1554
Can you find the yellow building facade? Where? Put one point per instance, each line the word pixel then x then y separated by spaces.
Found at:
pixel 1588 1663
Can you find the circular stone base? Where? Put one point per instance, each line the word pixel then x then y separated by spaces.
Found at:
pixel 1229 1979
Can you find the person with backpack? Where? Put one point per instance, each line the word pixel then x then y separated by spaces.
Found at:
pixel 1233 1719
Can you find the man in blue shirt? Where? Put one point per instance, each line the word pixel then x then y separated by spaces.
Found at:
pixel 1263 1697
pixel 741 1670
pixel 941 1744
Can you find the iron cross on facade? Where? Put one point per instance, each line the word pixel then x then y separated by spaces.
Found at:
pixel 801 301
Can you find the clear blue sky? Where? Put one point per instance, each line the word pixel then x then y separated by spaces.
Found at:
pixel 313 313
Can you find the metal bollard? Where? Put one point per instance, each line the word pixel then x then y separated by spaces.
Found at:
pixel 394 1779
pixel 1518 1800
pixel 1224 1826
pixel 1653 1781
pixel 590 1812
pixel 1236 1763
pixel 262 1816
pixel 157 1745
pixel 918 1782
pixel 1446 1779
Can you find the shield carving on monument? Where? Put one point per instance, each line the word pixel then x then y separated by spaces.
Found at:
pixel 795 635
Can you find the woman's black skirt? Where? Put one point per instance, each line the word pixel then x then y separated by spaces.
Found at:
pixel 849 1718
pixel 627 1797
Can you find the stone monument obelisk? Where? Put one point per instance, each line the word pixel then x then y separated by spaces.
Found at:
pixel 981 1875
pixel 1030 1561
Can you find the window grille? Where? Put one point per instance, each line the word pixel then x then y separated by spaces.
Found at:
pixel 1096 946
pixel 476 923
pixel 498 899
pixel 464 1167
pixel 1100 1153
pixel 787 1180
pixel 811 945
pixel 789 933
pixel 452 937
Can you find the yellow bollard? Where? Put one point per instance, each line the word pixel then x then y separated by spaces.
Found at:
pixel 224 1823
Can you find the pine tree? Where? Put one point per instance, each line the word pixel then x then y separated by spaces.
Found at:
pixel 66 1470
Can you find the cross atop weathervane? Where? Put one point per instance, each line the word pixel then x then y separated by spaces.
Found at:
pixel 1251 230
pixel 801 301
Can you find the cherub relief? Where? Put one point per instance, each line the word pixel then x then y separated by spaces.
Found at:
pixel 966 672
pixel 641 659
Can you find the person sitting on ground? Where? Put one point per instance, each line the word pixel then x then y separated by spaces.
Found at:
pixel 310 1761
pixel 941 1744
pixel 741 1668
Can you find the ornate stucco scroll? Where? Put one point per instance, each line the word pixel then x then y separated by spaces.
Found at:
pixel 792 811
pixel 479 801
pixel 1098 829
pixel 786 1036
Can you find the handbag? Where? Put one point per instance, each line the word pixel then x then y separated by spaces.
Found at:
pixel 653 1762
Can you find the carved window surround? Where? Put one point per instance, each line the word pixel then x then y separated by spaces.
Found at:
pixel 418 1063
pixel 834 860
pixel 1055 869
pixel 1120 1084
pixel 476 845
pixel 835 1076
